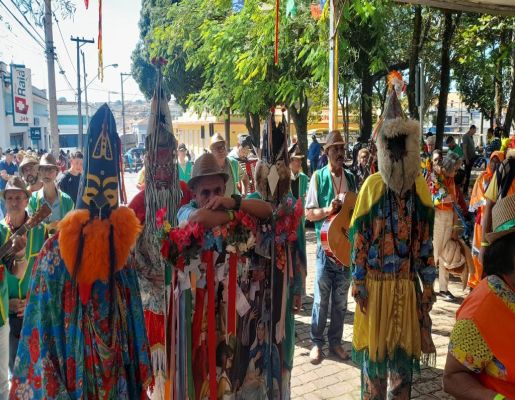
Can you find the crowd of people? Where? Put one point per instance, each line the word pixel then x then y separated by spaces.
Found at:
pixel 91 307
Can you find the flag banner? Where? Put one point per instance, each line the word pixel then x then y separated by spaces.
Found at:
pixel 237 5
pixel 21 85
pixel 86 2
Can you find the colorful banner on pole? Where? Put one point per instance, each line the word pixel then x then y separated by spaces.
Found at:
pixel 21 93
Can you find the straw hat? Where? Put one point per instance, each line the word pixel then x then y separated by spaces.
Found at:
pixel 206 165
pixel 29 159
pixel 15 183
pixel 334 138
pixel 48 160
pixel 215 139
pixel 503 219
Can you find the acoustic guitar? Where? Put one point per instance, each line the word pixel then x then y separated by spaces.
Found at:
pixel 335 232
pixel 36 219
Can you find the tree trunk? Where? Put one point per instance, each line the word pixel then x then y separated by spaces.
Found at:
pixel 445 77
pixel 300 120
pixel 227 127
pixel 498 91
pixel 253 127
pixel 510 112
pixel 413 61
pixel 367 91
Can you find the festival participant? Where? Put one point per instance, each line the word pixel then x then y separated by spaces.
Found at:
pixel 444 194
pixel 29 172
pixel 477 203
pixel 60 203
pixel 392 253
pixel 454 147
pixel 481 362
pixel 242 149
pixel 326 191
pixel 7 168
pixel 17 197
pixel 362 170
pixel 230 166
pixel 161 192
pixel 83 333
pixel 313 154
pixel 68 181
pixel 183 164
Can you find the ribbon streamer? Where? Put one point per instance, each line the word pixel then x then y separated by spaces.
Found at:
pixel 276 53
pixel 211 325
pixel 231 301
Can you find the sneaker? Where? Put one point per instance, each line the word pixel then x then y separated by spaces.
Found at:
pixel 316 355
pixel 448 296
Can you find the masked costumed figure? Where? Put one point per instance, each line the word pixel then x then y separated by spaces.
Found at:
pixel 162 192
pixel 392 265
pixel 83 334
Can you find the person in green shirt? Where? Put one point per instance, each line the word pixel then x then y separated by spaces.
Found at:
pixel 16 197
pixel 184 165
pixel 453 147
pixel 230 166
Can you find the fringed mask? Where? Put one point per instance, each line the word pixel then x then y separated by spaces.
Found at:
pixel 398 153
pixel 100 182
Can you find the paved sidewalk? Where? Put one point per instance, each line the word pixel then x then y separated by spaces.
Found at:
pixel 333 379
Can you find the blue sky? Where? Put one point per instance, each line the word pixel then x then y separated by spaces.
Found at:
pixel 120 35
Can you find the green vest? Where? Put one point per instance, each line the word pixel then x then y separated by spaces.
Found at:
pixel 234 167
pixel 325 191
pixel 185 175
pixel 66 203
pixel 35 239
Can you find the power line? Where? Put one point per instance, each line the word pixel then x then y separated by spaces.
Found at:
pixel 64 43
pixel 28 22
pixel 21 24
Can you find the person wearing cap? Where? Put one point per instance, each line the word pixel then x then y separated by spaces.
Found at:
pixel 230 166
pixel 481 361
pixel 16 197
pixel 327 189
pixel 7 168
pixel 241 151
pixel 29 172
pixel 83 334
pixel 68 181
pixel 184 164
pixel 59 202
pixel 210 206
pixel 314 150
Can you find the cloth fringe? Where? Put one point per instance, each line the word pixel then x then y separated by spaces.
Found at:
pixel 398 360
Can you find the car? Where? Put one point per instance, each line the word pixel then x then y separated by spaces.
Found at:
pixel 135 154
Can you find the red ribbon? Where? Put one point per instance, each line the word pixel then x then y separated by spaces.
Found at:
pixel 276 54
pixel 231 301
pixel 211 325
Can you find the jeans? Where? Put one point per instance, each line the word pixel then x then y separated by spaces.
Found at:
pixel 331 281
pixel 313 165
pixel 4 361
pixel 468 172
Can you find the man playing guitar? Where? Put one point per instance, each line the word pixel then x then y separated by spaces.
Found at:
pixel 326 191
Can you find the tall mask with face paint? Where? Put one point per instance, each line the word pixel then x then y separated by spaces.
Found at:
pixel 99 189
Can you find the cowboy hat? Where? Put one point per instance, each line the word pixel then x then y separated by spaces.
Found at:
pixel 294 151
pixel 503 219
pixel 15 183
pixel 215 139
pixel 48 160
pixel 334 138
pixel 29 159
pixel 205 165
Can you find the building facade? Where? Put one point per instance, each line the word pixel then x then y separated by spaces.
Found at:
pixel 23 110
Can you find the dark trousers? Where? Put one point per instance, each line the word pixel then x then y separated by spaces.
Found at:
pixel 15 324
pixel 468 171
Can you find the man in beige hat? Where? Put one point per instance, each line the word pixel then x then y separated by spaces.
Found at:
pixel 229 165
pixel 29 173
pixel 327 188
pixel 16 197
pixel 59 202
pixel 211 206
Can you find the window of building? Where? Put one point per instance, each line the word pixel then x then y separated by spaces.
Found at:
pixel 448 120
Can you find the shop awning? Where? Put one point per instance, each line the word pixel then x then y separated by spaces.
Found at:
pixel 502 7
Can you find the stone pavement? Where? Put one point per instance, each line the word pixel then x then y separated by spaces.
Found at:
pixel 333 379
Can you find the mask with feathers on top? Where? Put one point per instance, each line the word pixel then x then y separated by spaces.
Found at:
pixel 398 154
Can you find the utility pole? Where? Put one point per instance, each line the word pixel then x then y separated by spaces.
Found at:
pixel 85 88
pixel 122 75
pixel 80 42
pixel 333 66
pixel 52 96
